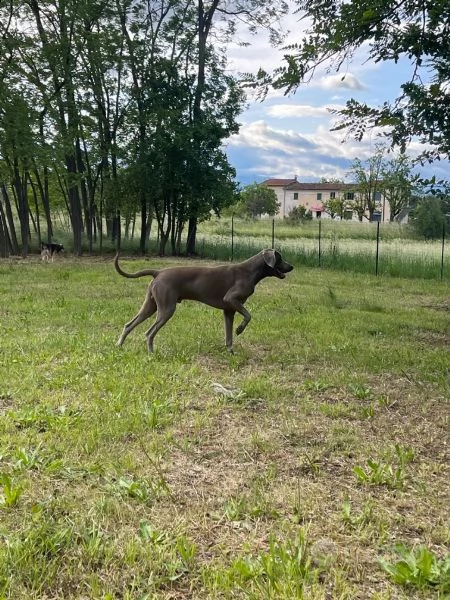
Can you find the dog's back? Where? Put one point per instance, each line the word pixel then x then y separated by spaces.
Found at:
pixel 52 248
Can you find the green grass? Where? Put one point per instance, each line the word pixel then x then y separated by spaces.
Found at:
pixel 294 468
pixel 341 246
pixel 285 230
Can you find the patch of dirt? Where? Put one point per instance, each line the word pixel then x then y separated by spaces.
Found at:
pixel 6 402
pixel 291 467
pixel 444 305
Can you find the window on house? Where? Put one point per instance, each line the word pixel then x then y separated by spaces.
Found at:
pixel 319 195
pixel 377 196
pixel 332 195
pixel 350 196
pixel 295 195
pixel 348 215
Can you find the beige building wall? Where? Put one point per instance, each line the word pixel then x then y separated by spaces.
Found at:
pixel 291 193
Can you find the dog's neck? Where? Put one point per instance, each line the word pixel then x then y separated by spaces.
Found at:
pixel 256 275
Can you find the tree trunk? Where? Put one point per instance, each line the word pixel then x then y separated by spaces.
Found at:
pixel 5 245
pixel 22 205
pixel 118 231
pixel 10 221
pixel 191 236
pixel 204 18
pixel 36 208
pixel 81 169
pixel 43 191
pixel 163 239
pixel 143 238
pixel 43 186
pixel 76 218
pixel 60 59
pixel 164 216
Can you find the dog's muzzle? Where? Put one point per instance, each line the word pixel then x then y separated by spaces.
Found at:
pixel 281 271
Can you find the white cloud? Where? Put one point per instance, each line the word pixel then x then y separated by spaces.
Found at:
pixel 287 111
pixel 267 151
pixel 340 81
pixel 262 150
pixel 288 135
pixel 259 134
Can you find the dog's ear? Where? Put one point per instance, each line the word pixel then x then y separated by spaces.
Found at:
pixel 269 257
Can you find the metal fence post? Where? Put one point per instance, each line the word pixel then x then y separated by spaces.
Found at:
pixel 320 242
pixel 273 234
pixel 378 248
pixel 232 237
pixel 442 251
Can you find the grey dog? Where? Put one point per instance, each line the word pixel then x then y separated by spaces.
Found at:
pixel 226 287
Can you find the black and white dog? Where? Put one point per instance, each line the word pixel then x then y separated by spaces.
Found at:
pixel 48 251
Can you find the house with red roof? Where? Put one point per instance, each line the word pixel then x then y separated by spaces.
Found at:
pixel 313 196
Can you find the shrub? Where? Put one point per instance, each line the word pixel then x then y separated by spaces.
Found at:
pixel 428 218
pixel 299 214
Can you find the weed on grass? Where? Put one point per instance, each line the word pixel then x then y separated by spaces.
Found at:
pixel 420 568
pixel 10 491
pixel 284 570
pixel 379 473
pixel 286 470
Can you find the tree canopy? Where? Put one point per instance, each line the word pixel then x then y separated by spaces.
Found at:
pixel 382 176
pixel 118 109
pixel 417 30
pixel 429 217
pixel 257 199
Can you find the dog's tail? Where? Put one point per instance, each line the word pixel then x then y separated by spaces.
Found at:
pixel 143 273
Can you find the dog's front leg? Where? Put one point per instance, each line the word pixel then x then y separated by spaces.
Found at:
pixel 229 318
pixel 245 321
pixel 237 306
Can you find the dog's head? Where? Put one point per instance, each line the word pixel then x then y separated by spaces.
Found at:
pixel 277 266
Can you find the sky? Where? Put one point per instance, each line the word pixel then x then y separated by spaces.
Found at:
pixel 287 136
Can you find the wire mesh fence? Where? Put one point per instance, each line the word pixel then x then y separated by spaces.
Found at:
pixel 379 251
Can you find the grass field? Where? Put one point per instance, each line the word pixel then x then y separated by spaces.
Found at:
pixel 337 245
pixel 311 464
pixel 344 246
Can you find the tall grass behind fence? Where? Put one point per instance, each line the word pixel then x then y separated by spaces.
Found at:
pixel 381 248
pixel 376 248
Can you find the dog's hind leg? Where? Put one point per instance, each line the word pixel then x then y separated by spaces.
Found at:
pixel 166 299
pixel 148 308
pixel 163 316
